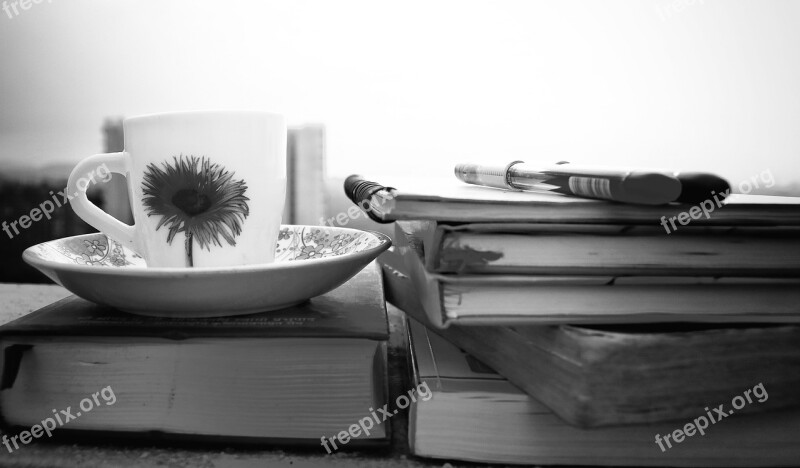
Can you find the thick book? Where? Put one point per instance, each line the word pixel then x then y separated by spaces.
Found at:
pixel 477 415
pixel 448 199
pixel 489 299
pixel 627 374
pixel 287 376
pixel 589 249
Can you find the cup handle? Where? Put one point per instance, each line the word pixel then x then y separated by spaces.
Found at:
pixel 76 186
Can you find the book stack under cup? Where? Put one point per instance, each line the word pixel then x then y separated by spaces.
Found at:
pixel 619 332
pixel 289 376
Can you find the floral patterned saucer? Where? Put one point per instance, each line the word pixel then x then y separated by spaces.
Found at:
pixel 309 261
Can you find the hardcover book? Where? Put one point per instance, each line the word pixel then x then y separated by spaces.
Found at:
pixel 447 199
pixel 288 376
pixel 580 299
pixel 477 415
pixel 627 374
pixel 589 249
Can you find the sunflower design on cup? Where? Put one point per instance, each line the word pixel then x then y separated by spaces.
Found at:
pixel 197 197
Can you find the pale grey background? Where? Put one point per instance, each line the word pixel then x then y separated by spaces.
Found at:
pixel 419 85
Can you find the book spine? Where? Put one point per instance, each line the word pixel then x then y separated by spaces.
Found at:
pixel 434 240
pixel 427 287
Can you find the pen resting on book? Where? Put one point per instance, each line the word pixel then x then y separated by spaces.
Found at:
pixel 625 186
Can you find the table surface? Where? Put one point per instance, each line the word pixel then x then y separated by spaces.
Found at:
pixel 20 299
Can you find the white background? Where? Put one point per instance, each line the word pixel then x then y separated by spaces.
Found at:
pixel 416 86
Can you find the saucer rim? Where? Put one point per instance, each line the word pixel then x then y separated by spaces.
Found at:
pixel 39 263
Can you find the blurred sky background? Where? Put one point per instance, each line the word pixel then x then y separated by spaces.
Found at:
pixel 416 86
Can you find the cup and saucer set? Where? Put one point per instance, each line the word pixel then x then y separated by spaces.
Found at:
pixel 207 191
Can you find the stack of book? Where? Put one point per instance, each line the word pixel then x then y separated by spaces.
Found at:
pixel 610 332
pixel 290 376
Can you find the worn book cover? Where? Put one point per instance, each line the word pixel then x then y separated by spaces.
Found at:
pixel 627 374
pixel 292 375
pixel 603 249
pixel 489 299
pixel 477 415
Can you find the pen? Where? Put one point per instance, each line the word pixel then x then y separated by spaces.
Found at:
pixel 626 186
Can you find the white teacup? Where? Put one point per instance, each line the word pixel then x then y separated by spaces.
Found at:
pixel 206 188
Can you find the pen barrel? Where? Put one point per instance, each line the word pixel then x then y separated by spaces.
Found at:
pixel 625 186
pixel 487 176
pixel 647 188
pixel 638 187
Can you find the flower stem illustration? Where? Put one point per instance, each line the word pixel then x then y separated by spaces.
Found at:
pixel 197 197
pixel 188 246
